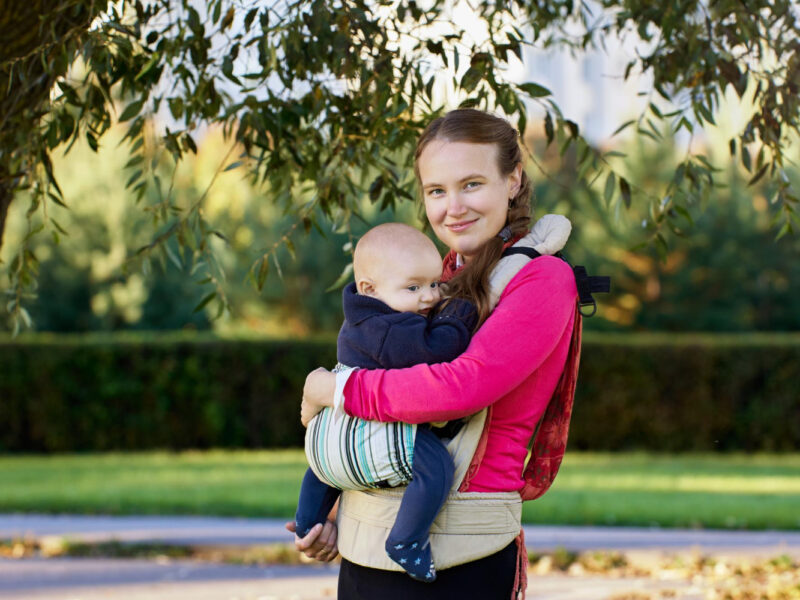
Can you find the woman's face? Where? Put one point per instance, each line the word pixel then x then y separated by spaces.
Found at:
pixel 466 196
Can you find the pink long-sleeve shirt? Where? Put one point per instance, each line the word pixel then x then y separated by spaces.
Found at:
pixel 513 363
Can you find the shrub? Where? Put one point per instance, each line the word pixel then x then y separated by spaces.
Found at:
pixel 667 393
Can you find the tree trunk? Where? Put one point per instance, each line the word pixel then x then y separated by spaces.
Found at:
pixel 5 202
pixel 31 30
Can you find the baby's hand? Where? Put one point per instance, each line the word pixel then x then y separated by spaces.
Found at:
pixel 462 309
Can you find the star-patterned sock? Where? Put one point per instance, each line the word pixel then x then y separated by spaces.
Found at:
pixel 414 557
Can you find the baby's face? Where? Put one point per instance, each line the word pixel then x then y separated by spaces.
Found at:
pixel 410 284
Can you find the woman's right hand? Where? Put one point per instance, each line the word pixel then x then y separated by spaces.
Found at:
pixel 320 543
pixel 318 393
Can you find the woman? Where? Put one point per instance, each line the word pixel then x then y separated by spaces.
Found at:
pixel 477 200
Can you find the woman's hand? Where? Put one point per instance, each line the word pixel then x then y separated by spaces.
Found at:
pixel 320 543
pixel 317 393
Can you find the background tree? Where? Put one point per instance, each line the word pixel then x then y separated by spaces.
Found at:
pixel 727 275
pixel 321 100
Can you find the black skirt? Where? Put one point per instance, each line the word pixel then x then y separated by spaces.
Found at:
pixel 489 578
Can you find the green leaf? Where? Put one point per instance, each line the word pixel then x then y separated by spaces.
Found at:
pixel 188 142
pixel 204 302
pixel 92 141
pixel 611 184
pixel 61 230
pixel 248 19
pixel 144 71
pixel 134 161
pixel 684 213
pixel 746 159
pixel 655 111
pixel 472 77
pixel 133 178
pixel 573 128
pixel 705 112
pixel 263 271
pixel 133 109
pixel 233 165
pixel 342 279
pixel 787 228
pixel 534 90
pixel 758 175
pixel 173 257
pixel 624 126
pixel 625 190
pixel 375 188
pixel 56 199
pixel 549 130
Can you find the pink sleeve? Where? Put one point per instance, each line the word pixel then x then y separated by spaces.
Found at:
pixel 524 329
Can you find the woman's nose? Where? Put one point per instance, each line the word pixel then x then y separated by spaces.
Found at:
pixel 455 206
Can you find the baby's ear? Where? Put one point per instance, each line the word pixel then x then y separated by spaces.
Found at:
pixel 365 287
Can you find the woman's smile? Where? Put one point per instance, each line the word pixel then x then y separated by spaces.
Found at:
pixel 460 226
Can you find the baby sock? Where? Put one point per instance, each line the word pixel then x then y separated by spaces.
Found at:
pixel 414 557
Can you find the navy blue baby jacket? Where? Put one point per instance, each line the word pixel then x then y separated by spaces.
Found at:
pixel 374 336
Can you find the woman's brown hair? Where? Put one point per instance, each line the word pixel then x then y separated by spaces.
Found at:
pixel 478 127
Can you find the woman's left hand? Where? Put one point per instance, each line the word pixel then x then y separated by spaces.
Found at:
pixel 317 393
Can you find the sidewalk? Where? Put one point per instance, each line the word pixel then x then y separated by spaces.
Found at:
pixel 220 531
pixel 168 579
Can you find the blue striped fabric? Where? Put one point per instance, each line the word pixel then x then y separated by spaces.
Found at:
pixel 353 454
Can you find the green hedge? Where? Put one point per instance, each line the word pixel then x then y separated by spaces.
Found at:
pixel 93 393
pixel 654 392
pixel 688 392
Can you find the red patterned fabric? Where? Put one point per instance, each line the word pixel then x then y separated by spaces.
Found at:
pixel 449 267
pixel 521 576
pixel 550 440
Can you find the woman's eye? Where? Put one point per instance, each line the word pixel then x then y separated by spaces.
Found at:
pixel 436 192
pixel 472 184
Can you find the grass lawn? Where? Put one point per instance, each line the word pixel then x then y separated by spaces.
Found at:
pixel 714 491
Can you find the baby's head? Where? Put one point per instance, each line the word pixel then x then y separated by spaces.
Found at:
pixel 398 265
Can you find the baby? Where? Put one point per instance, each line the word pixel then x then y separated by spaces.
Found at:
pixel 389 324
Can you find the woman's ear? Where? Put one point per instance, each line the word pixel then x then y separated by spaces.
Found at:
pixel 365 287
pixel 515 180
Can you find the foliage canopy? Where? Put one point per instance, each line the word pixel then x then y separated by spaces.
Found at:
pixel 322 100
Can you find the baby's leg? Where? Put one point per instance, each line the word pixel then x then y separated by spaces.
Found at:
pixel 316 501
pixel 432 475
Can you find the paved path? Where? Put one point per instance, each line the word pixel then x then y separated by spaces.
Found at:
pixel 122 579
pixel 104 579
pixel 216 531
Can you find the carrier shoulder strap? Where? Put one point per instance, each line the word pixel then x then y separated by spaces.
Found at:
pixel 587 284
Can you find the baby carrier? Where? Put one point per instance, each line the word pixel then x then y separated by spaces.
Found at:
pixel 472 525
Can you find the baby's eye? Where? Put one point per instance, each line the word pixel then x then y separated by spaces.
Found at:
pixel 412 288
pixel 435 284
